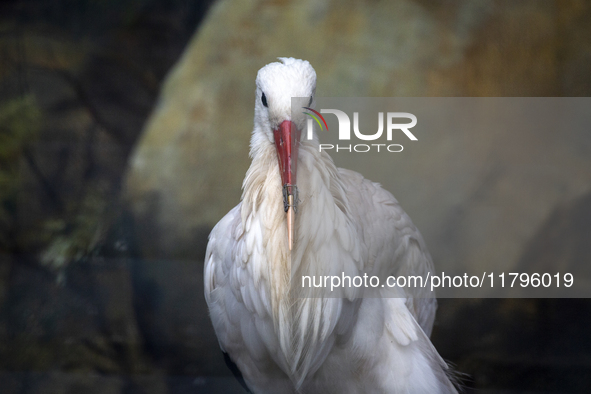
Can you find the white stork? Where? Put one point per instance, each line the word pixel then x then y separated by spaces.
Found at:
pixel 285 338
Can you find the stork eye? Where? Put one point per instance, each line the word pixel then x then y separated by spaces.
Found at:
pixel 264 100
pixel 310 103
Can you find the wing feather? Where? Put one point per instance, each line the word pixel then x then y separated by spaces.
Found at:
pixel 395 245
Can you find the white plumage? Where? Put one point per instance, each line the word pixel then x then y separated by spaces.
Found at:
pixel 283 337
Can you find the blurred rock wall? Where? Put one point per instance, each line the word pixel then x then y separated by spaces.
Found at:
pixel 186 170
pixel 94 300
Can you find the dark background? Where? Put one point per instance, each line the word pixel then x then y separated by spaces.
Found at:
pixel 81 310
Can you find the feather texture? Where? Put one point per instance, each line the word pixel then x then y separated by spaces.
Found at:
pixel 286 338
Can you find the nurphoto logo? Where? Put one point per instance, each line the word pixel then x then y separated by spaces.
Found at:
pixel 345 130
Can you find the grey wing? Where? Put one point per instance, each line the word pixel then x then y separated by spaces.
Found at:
pixel 236 301
pixel 395 245
pixel 218 266
pixel 238 304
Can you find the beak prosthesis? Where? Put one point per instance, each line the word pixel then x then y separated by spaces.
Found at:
pixel 287 138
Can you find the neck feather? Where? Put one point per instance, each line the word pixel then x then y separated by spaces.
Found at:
pixel 302 329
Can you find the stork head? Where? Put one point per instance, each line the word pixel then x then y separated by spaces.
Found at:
pixel 277 83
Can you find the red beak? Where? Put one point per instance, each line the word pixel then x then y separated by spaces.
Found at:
pixel 287 137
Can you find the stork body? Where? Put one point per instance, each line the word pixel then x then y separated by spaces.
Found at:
pixel 284 337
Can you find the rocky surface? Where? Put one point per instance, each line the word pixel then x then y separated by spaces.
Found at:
pixel 187 168
pixel 186 171
pixel 94 298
